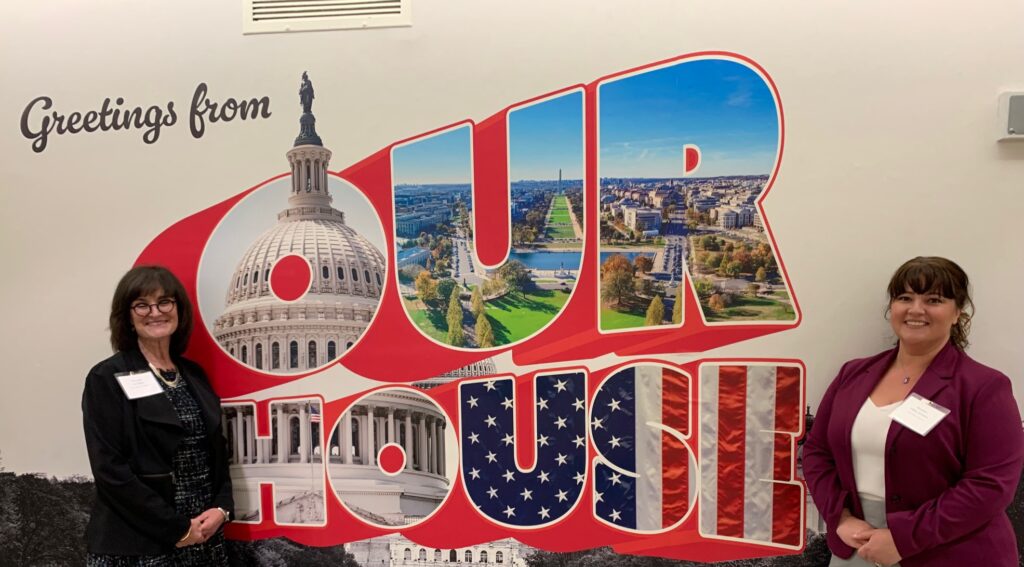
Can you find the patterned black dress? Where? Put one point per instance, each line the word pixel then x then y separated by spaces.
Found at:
pixel 193 489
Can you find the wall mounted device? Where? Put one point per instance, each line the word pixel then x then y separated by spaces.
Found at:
pixel 1011 116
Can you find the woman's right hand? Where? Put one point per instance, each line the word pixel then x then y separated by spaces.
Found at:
pixel 852 530
pixel 195 534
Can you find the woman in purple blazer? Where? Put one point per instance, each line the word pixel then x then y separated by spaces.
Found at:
pixel 895 494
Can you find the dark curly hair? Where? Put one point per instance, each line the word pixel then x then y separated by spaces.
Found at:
pixel 140 281
pixel 933 274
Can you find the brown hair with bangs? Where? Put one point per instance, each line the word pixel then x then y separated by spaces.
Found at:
pixel 933 274
pixel 144 280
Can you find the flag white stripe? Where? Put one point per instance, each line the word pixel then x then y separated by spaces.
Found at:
pixel 648 448
pixel 760 450
pixel 709 450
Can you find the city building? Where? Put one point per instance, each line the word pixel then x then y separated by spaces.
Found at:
pixel 347 279
pixel 641 219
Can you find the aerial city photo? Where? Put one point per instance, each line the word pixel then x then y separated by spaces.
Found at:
pixel 656 223
pixel 447 294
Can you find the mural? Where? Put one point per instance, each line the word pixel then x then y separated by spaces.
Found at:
pixel 483 326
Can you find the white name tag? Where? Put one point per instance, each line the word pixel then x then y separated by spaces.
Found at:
pixel 919 415
pixel 139 385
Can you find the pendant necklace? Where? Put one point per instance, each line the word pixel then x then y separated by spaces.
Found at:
pixel 906 375
pixel 170 382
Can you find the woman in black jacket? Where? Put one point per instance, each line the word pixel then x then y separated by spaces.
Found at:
pixel 153 431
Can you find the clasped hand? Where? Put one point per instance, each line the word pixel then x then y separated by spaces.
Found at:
pixel 203 527
pixel 872 544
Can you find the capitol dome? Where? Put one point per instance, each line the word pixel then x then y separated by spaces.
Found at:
pixel 347 276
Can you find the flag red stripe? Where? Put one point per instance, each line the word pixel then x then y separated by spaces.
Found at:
pixel 786 499
pixel 675 481
pixel 732 425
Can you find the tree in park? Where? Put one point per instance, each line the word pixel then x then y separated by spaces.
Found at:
pixel 732 269
pixel 709 242
pixel 643 264
pixel 760 275
pixel 455 335
pixel 616 279
pixel 655 312
pixel 677 306
pixel 515 275
pixel 426 287
pixel 617 263
pixel 484 332
pixel 446 286
pixel 704 287
pixel 716 303
pixel 476 302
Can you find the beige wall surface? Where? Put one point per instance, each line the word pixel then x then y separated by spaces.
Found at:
pixel 890 151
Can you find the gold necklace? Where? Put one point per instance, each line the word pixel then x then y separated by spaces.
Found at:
pixel 160 374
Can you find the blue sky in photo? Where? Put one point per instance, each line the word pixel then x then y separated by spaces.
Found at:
pixel 444 158
pixel 722 106
pixel 546 136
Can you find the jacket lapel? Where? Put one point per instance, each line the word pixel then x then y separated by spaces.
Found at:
pixel 935 378
pixel 861 388
pixel 208 400
pixel 156 408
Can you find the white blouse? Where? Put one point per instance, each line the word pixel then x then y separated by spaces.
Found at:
pixel 868 440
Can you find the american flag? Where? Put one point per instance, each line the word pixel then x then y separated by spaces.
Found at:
pixel 750 416
pixel 503 492
pixel 644 477
pixel 314 413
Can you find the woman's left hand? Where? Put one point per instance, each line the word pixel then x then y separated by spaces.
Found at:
pixel 880 549
pixel 210 521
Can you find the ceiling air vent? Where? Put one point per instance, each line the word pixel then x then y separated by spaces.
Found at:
pixel 269 16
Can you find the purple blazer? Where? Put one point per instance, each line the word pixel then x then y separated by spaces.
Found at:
pixel 946 493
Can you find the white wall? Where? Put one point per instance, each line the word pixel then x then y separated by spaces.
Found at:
pixel 890 151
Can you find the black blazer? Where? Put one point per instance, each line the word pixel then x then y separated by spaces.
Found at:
pixel 131 447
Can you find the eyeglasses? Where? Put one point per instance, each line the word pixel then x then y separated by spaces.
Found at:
pixel 165 305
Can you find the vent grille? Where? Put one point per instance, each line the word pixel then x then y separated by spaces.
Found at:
pixel 270 16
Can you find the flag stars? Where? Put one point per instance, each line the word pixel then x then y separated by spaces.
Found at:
pixel 543 477
pixel 527 494
pixel 509 511
pixel 579 441
pixel 543 440
pixel 473 401
pixel 560 385
pixel 492 492
pixel 598 496
pixel 561 459
pixel 597 423
pixel 544 513
pixel 560 422
pixel 475 473
pixel 562 496
pixel 615 478
pixel 616 516
pixel 509 476
pixel 491 421
pixel 614 404
pixel 542 404
pixel 489 385
pixel 580 477
pixel 578 404
pixel 474 438
pixel 507 439
pixel 615 441
pixel 491 457
pixel 507 404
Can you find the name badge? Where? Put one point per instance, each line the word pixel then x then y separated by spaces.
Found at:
pixel 139 384
pixel 919 414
